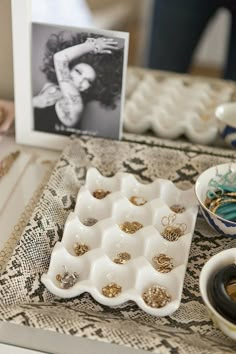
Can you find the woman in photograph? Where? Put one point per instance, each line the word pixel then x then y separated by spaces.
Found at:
pixel 78 70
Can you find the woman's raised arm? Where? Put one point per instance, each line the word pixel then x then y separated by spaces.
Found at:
pixel 71 105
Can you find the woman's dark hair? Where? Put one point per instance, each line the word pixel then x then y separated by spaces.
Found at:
pixel 108 67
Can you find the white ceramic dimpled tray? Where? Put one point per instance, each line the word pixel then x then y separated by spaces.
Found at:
pixel 171 108
pixel 105 239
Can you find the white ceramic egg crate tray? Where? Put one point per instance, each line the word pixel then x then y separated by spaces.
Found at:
pixel 96 268
pixel 172 106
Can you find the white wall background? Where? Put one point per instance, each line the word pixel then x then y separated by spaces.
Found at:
pixel 213 47
pixel 211 51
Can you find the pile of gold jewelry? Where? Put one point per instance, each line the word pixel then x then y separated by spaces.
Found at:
pixel 138 201
pixel 111 290
pixel 100 193
pixel 80 248
pixel 122 258
pixel 156 296
pixel 163 263
pixel 172 233
pixel 131 227
pixel 67 280
pixel 172 230
pixel 177 208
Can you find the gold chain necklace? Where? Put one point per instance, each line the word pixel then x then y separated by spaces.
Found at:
pixel 6 162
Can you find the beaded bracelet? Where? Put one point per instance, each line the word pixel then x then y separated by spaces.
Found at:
pixel 93 42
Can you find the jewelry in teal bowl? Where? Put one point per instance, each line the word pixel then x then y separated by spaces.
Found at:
pixel 226 117
pixel 216 192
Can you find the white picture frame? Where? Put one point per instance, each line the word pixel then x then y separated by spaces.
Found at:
pixel 22 53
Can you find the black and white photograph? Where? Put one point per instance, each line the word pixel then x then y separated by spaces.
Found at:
pixel 78 80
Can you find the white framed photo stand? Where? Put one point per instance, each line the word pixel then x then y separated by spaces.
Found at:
pixel 28 37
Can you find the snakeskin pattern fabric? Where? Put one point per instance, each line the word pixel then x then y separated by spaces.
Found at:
pixel 24 299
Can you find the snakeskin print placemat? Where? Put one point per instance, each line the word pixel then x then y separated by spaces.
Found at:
pixel 24 299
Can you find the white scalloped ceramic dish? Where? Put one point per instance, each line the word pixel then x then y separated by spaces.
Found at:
pixel 170 108
pixel 105 239
pixel 213 265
